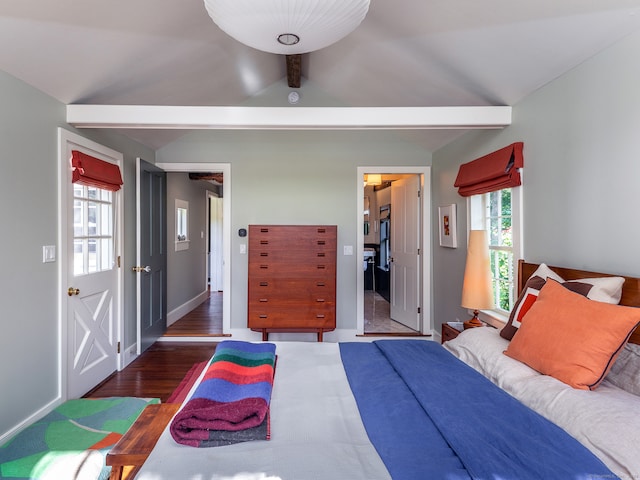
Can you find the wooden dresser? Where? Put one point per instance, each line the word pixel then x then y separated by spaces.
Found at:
pixel 292 278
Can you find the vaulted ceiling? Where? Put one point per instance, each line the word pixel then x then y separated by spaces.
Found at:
pixel 405 53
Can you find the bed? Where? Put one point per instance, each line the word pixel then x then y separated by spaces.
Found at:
pixel 407 409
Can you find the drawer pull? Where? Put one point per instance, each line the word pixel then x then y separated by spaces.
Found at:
pixel 321 242
pixel 264 267
pixel 321 267
pixel 263 300
pixel 264 254
pixel 264 230
pixel 264 284
pixel 262 316
pixel 264 242
pixel 322 254
pixel 320 300
pixel 322 230
pixel 321 284
pixel 320 315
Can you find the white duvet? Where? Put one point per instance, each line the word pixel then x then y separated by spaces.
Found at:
pixel 316 430
pixel 606 420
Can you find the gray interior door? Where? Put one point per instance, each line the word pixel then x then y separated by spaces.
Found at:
pixel 151 253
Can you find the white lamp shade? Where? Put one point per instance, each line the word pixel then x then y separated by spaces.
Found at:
pixel 259 23
pixel 477 291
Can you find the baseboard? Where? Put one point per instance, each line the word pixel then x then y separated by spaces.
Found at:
pixel 34 417
pixel 179 312
pixel 130 354
pixel 338 335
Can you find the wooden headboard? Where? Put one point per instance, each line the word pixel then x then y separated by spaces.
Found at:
pixel 630 288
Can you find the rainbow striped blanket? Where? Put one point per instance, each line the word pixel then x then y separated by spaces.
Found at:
pixel 231 402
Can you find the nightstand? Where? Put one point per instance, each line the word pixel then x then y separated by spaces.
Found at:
pixel 448 332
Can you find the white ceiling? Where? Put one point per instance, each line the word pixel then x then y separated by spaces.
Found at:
pixel 405 53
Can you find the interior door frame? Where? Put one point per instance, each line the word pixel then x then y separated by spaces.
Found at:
pixel 225 168
pixel 64 180
pixel 426 317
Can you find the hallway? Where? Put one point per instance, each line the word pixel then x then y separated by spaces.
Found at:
pixel 203 321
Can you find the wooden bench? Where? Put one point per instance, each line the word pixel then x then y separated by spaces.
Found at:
pixel 127 456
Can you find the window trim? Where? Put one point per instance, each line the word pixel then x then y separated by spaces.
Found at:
pixel 182 243
pixel 498 317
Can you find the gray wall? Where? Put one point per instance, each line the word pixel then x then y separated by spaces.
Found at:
pixel 186 269
pixel 295 177
pixel 29 295
pixel 581 197
pixel 581 174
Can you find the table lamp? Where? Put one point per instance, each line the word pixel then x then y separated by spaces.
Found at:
pixel 477 290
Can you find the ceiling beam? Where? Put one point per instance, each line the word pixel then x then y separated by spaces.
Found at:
pixel 294 70
pixel 286 118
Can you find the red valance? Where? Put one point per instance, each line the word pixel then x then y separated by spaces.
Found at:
pixel 93 172
pixel 492 172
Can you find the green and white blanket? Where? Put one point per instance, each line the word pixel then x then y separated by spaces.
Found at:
pixel 72 441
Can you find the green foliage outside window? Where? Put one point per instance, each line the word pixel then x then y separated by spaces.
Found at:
pixel 501 236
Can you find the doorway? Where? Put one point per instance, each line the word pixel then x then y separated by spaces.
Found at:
pixel 394 245
pixel 205 320
pixel 222 300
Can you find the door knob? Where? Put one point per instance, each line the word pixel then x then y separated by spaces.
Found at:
pixel 146 269
pixel 73 291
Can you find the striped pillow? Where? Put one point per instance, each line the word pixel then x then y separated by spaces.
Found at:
pixel 600 289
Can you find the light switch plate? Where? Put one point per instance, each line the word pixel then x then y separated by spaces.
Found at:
pixel 348 250
pixel 48 253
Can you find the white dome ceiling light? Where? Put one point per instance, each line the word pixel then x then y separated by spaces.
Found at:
pixel 287 27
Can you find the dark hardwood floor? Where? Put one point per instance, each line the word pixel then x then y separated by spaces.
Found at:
pixel 203 321
pixel 157 372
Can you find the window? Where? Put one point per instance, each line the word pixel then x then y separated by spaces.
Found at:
pixel 93 219
pixel 499 213
pixel 182 225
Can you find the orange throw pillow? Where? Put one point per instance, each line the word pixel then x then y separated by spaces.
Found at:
pixel 572 338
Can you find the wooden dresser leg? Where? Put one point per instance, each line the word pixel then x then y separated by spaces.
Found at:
pixel 265 335
pixel 320 335
pixel 116 472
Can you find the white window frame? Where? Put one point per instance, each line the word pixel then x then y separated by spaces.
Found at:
pixel 477 219
pixel 104 234
pixel 182 225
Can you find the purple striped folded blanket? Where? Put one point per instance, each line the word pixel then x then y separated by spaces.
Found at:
pixel 231 402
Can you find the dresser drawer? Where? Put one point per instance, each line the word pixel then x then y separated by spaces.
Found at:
pixel 296 236
pixel 301 270
pixel 302 316
pixel 288 288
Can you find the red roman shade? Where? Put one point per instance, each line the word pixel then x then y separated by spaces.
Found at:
pixel 492 172
pixel 93 172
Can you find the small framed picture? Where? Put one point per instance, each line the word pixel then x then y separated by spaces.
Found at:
pixel 447 219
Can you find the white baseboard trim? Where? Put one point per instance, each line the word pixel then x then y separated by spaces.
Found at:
pixel 179 312
pixel 130 354
pixel 338 335
pixel 35 416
